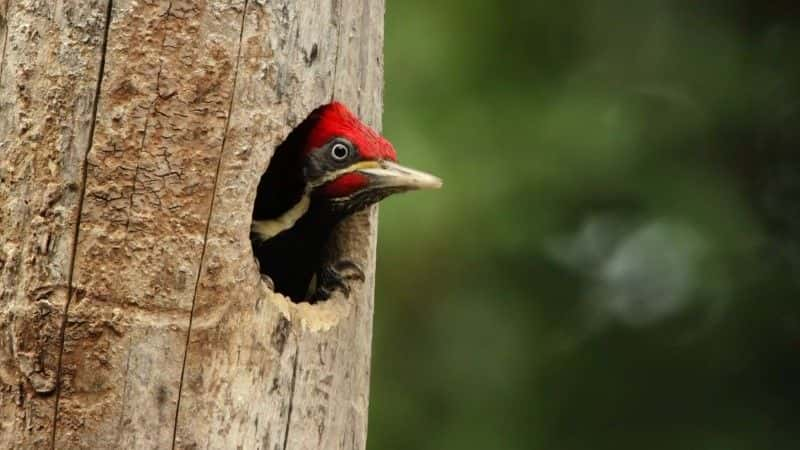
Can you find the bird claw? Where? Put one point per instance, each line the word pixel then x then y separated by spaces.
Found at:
pixel 349 270
pixel 336 277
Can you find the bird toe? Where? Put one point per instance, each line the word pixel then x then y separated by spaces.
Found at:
pixel 350 270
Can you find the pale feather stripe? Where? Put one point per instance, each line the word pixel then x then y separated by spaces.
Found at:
pixel 266 229
pixel 336 174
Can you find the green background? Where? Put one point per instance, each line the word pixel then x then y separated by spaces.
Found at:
pixel 614 260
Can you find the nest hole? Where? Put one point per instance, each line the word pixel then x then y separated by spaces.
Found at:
pixel 291 259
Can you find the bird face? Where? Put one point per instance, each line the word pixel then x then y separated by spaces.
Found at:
pixel 349 166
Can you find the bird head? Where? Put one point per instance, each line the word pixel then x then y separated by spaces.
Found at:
pixel 331 163
pixel 350 166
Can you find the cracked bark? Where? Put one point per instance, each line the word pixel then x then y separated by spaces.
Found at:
pixel 132 314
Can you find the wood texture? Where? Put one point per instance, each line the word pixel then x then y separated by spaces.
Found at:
pixel 48 83
pixel 133 135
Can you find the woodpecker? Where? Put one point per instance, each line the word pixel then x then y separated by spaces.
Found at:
pixel 329 167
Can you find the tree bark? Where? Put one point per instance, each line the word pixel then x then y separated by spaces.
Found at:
pixel 132 138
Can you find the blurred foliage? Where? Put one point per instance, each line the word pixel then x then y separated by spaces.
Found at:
pixel 613 261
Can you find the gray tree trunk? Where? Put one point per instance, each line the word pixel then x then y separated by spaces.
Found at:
pixel 132 137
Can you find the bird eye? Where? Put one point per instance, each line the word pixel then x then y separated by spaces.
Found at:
pixel 340 151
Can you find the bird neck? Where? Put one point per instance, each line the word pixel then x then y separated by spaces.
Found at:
pixel 266 229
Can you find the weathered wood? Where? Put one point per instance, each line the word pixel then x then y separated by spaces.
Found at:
pixel 303 382
pixel 193 98
pixel 48 82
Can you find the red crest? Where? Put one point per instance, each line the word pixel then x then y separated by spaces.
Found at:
pixel 335 120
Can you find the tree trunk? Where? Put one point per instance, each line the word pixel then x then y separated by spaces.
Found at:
pixel 132 138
